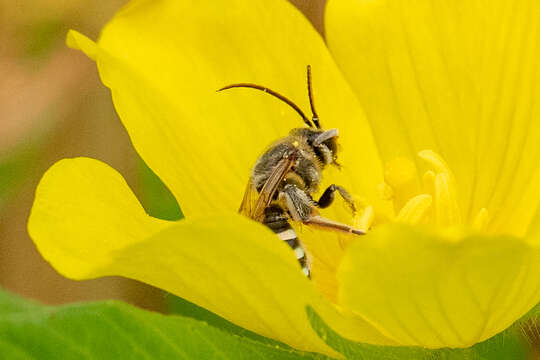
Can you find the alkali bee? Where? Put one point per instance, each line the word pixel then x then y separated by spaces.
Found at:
pixel 284 178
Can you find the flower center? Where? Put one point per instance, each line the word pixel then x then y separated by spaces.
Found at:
pixel 431 200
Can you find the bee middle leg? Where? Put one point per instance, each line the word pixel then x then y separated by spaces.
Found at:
pixel 328 196
pixel 299 204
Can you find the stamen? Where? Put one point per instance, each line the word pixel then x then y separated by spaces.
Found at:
pixel 435 161
pixel 415 210
pixel 442 183
pixel 481 220
pixel 400 174
pixel 447 212
pixel 365 219
pixel 362 221
pixel 434 199
pixel 385 191
pixel 429 182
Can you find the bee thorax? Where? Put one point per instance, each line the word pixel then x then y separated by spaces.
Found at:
pixel 266 164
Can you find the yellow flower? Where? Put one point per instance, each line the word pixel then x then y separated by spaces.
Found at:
pixel 458 78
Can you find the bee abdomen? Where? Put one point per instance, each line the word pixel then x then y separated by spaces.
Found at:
pixel 276 219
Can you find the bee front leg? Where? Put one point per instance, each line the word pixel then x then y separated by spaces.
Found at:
pixel 327 198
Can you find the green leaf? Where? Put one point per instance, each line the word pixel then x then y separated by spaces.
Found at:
pixel 509 344
pixel 155 196
pixel 11 304
pixel 114 330
pixel 179 306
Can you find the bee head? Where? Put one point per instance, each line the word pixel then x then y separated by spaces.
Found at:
pixel 323 142
pixel 325 146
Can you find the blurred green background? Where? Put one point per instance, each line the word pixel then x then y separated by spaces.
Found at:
pixel 53 106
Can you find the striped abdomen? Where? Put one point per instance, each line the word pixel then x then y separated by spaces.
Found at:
pixel 277 220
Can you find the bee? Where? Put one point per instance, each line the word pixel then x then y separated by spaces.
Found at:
pixel 288 173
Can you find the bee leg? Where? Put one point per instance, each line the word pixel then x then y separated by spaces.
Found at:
pixel 327 198
pixel 299 204
pixel 302 208
pixel 325 223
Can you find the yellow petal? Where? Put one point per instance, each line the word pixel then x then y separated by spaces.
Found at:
pixel 326 248
pixel 325 251
pixel 439 288
pixel 534 229
pixel 201 143
pixel 76 40
pixel 84 210
pixel 87 223
pixel 481 220
pixel 457 77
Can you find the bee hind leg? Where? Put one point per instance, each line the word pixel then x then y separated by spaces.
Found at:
pixel 322 222
pixel 302 208
pixel 328 196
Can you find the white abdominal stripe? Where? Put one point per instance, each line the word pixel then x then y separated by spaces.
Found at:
pixel 299 252
pixel 277 220
pixel 289 236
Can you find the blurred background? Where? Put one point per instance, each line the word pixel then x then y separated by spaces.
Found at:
pixel 53 106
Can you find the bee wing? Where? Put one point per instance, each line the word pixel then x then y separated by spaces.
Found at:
pixel 253 204
pixel 270 186
pixel 249 200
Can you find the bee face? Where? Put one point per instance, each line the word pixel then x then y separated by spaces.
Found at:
pixel 327 152
pixel 332 145
pixel 323 143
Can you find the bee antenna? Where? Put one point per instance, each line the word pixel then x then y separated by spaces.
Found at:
pixel 273 93
pixel 315 118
